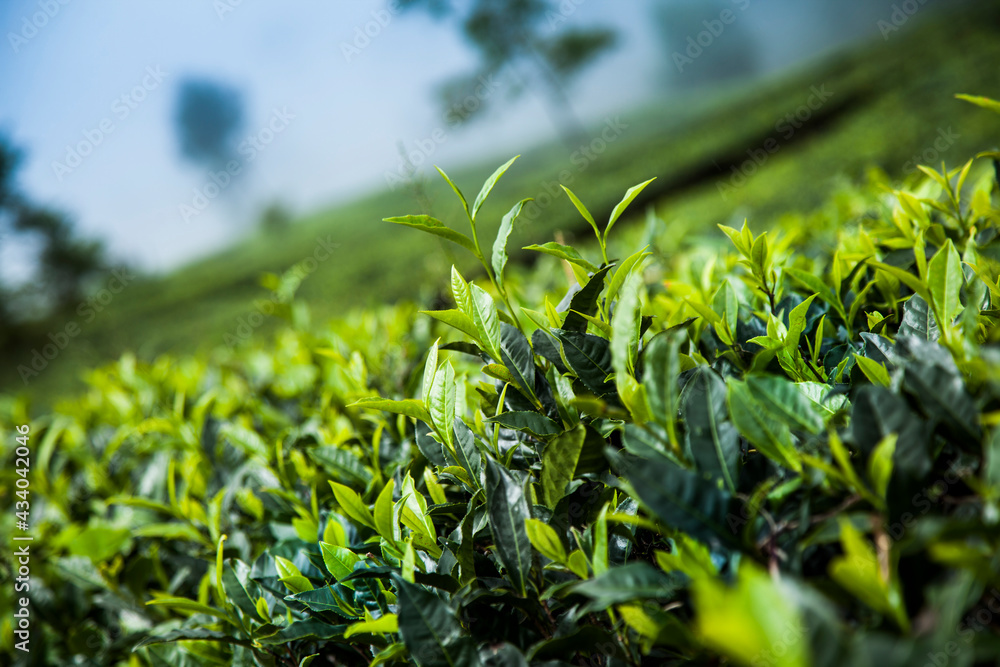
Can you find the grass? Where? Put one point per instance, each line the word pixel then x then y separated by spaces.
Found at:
pixel 889 101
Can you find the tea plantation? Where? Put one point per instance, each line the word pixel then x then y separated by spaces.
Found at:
pixel 775 445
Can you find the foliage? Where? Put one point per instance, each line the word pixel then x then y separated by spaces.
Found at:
pixel 774 448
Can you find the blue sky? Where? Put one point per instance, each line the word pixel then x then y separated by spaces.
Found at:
pixel 344 115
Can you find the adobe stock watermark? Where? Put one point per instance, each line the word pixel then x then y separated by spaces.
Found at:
pixel 252 146
pixel 264 308
pixel 697 44
pixel 87 310
pixel 945 140
pixel 786 128
pixel 33 23
pixel 364 34
pixel 121 108
pixel 901 13
pixel 422 149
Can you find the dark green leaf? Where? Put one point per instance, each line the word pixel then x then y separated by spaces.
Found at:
pixel 532 422
pixel 709 435
pixel 559 462
pixel 681 498
pixel 918 320
pixel 783 400
pixel 517 357
pixel 942 396
pixel 769 435
pixel 467 452
pixel 589 357
pixel 508 508
pixel 309 629
pixel 194 634
pixel 630 582
pixel 661 367
pixel 585 301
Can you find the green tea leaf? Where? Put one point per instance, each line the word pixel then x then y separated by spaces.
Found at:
pixel 619 208
pixel 660 372
pixel 442 402
pixel 751 621
pixel 383 624
pixel 457 319
pixel 559 461
pixel 545 540
pixel 874 371
pixel 430 629
pixel 944 280
pixel 769 435
pixel 980 101
pixel 384 524
pixel 499 255
pixel 434 226
pixel 589 357
pixel 508 510
pixel 858 572
pixel 918 320
pixel 487 321
pixel 517 357
pixel 352 505
pixel 880 464
pixel 339 561
pixel 582 209
pixel 409 407
pixel 564 252
pixel 584 302
pixel 709 435
pixel 467 453
pixel 290 576
pixel 625 327
pixel 680 498
pixel 454 188
pixel 532 422
pixel 626 583
pixel 782 399
pixel 489 184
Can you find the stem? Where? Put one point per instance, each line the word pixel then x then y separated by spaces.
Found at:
pixel 812 367
pixel 493 281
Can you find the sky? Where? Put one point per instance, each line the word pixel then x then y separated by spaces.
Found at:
pixel 330 89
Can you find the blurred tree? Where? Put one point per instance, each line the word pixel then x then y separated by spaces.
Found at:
pixel 208 117
pixel 526 40
pixel 65 262
pixel 275 218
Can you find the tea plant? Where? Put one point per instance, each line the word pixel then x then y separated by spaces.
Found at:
pixel 780 452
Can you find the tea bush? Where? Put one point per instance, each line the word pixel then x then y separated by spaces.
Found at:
pixel 775 448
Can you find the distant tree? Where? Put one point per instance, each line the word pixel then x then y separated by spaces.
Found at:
pixel 65 262
pixel 208 117
pixel 527 41
pixel 275 218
